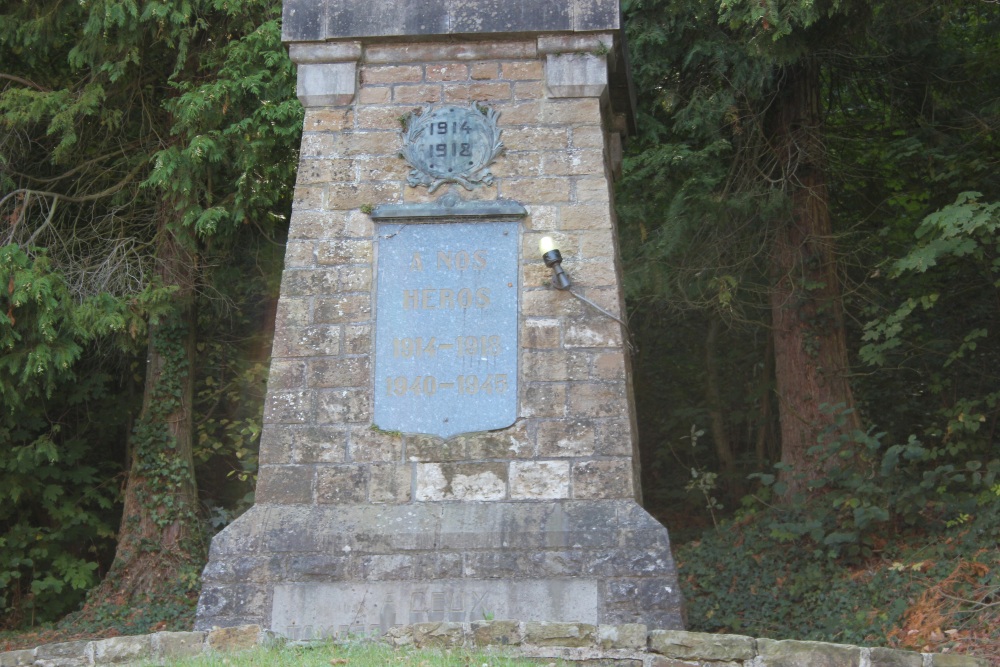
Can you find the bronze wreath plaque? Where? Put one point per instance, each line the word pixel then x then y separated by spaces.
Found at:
pixel 452 144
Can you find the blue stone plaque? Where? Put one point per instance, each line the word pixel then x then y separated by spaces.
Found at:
pixel 446 327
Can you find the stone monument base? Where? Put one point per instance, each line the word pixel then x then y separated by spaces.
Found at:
pixel 308 572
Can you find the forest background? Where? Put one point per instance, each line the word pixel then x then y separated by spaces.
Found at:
pixel 809 223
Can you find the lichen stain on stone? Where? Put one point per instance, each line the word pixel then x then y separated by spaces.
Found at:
pixel 437 483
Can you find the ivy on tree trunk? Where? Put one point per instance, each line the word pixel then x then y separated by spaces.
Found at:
pixel 159 538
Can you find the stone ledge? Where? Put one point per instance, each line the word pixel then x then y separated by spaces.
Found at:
pixel 321 20
pixel 627 645
pixel 155 647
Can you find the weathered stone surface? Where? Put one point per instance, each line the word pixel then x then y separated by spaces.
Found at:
pixel 627 636
pixel 325 53
pixel 231 604
pixel 122 649
pixel 532 540
pixel 390 483
pixel 566 438
pixel 790 653
pixel 65 654
pixel 887 657
pixel 461 481
pixel 496 633
pixel 285 484
pixel 17 658
pixel 233 639
pixel 341 484
pixel 339 372
pixel 539 480
pixel 560 634
pixel 343 406
pixel 955 660
pixel 529 640
pixel 319 444
pixel 606 478
pixel 428 448
pixel 177 644
pixel 319 21
pixel 576 75
pixel 676 644
pixel 307 341
pixel 437 635
pixel 512 443
pixel 374 606
pixel 660 661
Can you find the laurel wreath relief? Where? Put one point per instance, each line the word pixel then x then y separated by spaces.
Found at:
pixel 483 129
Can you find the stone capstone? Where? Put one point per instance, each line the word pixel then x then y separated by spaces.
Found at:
pixel 234 638
pixel 496 633
pixel 790 653
pixel 317 21
pixel 178 644
pixel 123 649
pixel 437 635
pixel 955 660
pixel 66 654
pixel 560 634
pixel 538 642
pixel 677 644
pixel 627 636
pixel 887 657
pixel 326 84
pixel 17 658
pixel 576 74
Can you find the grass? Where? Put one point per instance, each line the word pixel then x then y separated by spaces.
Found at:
pixel 357 654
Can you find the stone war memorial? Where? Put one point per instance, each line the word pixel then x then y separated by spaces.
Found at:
pixel 449 430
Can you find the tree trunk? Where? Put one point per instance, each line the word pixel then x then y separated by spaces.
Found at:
pixel 810 348
pixel 159 540
pixel 764 445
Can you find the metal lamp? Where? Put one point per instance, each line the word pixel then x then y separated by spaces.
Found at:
pixel 553 259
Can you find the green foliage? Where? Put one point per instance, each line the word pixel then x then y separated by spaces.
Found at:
pixel 56 493
pixel 164 472
pixel 55 518
pixel 240 127
pixel 750 579
pixel 904 136
pixel 868 491
pixel 941 335
pixel 897 507
pixel 38 335
pixel 955 239
pixel 170 607
pixel 234 330
pixel 123 120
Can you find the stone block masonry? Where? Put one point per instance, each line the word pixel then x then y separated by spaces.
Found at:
pixel 575 424
pixel 628 645
pixel 359 528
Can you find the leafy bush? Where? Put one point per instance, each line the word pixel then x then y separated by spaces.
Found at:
pixel 750 578
pixel 867 491
pixel 56 492
pixel 891 544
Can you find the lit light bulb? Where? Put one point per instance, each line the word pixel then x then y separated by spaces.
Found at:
pixel 553 259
